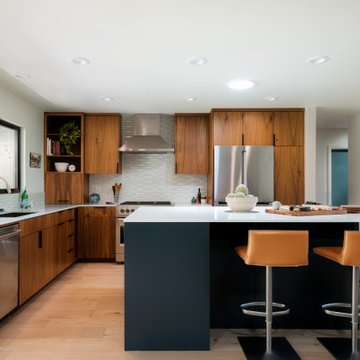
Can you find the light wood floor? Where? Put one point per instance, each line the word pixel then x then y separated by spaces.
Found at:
pixel 80 316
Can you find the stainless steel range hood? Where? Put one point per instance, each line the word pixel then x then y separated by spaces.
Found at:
pixel 146 138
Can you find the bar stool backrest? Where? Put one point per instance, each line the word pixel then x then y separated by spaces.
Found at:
pixel 350 254
pixel 277 248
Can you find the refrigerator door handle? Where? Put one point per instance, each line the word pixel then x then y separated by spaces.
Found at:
pixel 244 172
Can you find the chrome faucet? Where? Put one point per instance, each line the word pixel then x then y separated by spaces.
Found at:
pixel 7 185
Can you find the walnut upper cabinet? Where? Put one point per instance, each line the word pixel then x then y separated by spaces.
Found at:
pixel 289 128
pixel 102 141
pixel 191 143
pixel 257 128
pixel 227 128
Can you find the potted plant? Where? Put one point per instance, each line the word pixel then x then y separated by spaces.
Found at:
pixel 69 134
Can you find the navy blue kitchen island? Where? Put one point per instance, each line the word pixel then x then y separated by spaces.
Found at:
pixel 183 277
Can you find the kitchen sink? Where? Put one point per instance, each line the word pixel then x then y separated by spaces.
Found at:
pixel 16 214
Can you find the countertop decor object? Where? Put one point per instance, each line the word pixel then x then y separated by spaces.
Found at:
pixel 94 198
pixel 241 204
pixel 72 167
pixel 276 205
pixel 61 166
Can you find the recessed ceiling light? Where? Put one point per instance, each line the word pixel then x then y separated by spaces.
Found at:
pixel 22 76
pixel 190 99
pixel 271 98
pixel 240 84
pixel 317 60
pixel 80 61
pixel 106 98
pixel 198 60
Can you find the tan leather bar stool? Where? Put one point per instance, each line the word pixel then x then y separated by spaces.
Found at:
pixel 269 248
pixel 348 255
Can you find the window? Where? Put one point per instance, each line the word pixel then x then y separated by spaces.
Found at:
pixel 9 156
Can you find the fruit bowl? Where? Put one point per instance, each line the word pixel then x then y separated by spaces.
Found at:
pixel 241 204
pixel 61 166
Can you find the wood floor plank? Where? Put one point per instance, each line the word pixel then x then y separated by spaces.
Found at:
pixel 80 315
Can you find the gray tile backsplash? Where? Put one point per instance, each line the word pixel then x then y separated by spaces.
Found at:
pixel 10 202
pixel 149 176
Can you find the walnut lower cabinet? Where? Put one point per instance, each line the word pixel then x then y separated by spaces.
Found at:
pixel 96 233
pixel 43 252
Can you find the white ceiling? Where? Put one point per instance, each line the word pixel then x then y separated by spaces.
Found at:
pixel 138 53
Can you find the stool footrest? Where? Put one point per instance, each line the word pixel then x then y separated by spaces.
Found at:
pixel 326 308
pixel 244 308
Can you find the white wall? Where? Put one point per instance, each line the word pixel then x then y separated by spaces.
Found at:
pixel 354 162
pixel 15 110
pixel 325 138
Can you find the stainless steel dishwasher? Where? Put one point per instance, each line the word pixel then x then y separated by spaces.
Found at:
pixel 9 260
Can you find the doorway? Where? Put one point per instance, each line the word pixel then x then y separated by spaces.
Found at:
pixel 339 177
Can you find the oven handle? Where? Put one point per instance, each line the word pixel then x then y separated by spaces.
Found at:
pixel 120 227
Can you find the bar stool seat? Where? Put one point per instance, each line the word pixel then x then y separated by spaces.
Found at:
pixel 347 255
pixel 269 248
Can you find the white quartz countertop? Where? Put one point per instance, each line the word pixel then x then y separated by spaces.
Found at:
pixel 224 214
pixel 47 209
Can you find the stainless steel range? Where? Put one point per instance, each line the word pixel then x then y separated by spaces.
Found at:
pixel 123 210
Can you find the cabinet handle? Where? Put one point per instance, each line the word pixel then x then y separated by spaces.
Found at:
pixel 70 235
pixel 40 239
pixel 99 207
pixel 62 223
pixel 274 139
pixel 243 139
pixel 69 251
pixel 71 220
pixel 117 167
pixel 61 200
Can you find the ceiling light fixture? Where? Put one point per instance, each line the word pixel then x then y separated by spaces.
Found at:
pixel 80 61
pixel 197 60
pixel 271 98
pixel 240 84
pixel 106 98
pixel 22 76
pixel 317 60
pixel 190 99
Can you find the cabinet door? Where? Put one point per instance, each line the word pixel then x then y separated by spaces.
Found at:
pixel 191 144
pixel 49 256
pixel 289 127
pixel 66 188
pixel 227 127
pixel 289 174
pixel 102 141
pixel 258 128
pixel 29 266
pixel 97 233
pixel 61 246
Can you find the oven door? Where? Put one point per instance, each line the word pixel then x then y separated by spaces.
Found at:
pixel 120 254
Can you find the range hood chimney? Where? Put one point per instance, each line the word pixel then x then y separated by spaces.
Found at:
pixel 146 138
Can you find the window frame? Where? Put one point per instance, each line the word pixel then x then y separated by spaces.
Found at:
pixel 18 130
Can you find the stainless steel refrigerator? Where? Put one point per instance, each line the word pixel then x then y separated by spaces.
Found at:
pixel 249 165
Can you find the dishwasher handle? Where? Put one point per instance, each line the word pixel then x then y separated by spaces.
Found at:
pixel 13 233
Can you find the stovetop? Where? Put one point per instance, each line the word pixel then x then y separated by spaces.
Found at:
pixel 151 203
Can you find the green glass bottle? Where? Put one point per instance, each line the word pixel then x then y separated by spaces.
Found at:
pixel 24 200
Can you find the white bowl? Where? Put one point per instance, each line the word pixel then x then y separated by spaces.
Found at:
pixel 241 204
pixel 61 166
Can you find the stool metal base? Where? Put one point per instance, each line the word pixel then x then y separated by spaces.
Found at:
pixel 255 348
pixel 340 348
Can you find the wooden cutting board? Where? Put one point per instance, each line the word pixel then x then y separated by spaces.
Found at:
pixel 352 209
pixel 306 213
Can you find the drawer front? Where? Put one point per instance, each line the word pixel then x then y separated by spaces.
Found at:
pixel 71 214
pixel 36 224
pixel 101 211
pixel 61 216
